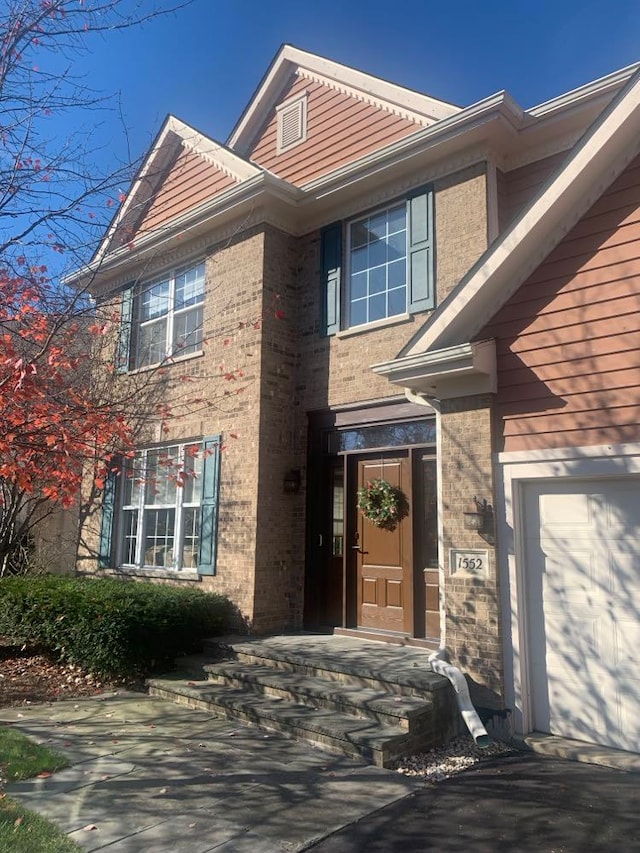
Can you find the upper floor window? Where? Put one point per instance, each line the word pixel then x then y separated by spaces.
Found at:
pixel 378 266
pixel 168 316
pixel 387 269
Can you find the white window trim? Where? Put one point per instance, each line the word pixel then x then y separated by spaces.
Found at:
pixel 178 505
pixel 383 321
pixel 170 315
pixel 298 103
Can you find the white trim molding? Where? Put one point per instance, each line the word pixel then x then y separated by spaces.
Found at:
pixel 468 368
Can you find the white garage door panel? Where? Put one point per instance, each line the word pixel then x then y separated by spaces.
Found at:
pixel 582 567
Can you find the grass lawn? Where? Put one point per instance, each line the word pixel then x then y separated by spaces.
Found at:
pixel 22 831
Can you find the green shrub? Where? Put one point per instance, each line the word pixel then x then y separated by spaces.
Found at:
pixel 108 626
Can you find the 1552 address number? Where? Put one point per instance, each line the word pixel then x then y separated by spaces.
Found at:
pixel 474 562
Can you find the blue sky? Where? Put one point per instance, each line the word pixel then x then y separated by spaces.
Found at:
pixel 203 63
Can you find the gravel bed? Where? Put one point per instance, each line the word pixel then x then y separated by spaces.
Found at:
pixel 459 754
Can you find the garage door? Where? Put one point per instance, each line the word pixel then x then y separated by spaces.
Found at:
pixel 582 569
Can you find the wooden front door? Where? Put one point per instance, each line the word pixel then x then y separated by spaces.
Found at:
pixel 384 559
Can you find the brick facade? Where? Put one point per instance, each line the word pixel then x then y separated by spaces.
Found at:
pixel 262 315
pixel 472 601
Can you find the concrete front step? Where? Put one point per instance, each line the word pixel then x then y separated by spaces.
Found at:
pixel 361 699
pixel 376 743
pixel 404 671
pixel 407 712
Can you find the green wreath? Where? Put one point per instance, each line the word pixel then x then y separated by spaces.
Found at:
pixel 379 503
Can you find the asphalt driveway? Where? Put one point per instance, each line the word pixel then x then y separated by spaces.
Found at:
pixel 517 803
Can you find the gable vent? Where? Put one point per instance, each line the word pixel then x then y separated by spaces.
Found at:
pixel 292 122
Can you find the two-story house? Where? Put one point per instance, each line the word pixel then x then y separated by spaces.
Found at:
pixel 348 223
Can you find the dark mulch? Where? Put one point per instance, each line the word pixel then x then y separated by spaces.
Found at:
pixel 28 676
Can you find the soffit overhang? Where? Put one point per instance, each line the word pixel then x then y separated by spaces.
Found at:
pixel 465 369
pixel 491 130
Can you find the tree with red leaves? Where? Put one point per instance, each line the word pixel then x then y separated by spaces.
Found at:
pixel 54 422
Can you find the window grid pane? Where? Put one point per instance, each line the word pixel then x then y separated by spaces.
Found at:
pixel 159 528
pixel 160 508
pixel 168 317
pixel 130 536
pixel 191 537
pixel 378 266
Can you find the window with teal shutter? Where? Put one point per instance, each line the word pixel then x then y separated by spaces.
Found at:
pixel 389 269
pixel 167 509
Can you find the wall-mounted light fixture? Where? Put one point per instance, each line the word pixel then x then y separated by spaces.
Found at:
pixel 479 516
pixel 291 482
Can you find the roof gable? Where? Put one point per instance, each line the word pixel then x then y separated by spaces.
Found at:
pixel 340 127
pixel 183 169
pixel 417 109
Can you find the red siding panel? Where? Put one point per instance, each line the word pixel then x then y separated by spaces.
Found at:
pixel 191 181
pixel 340 130
pixel 518 187
pixel 568 342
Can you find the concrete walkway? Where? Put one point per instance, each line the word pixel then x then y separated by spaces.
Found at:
pixel 151 776
pixel 148 775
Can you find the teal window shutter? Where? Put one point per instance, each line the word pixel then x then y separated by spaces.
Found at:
pixel 209 506
pixel 105 546
pixel 124 339
pixel 331 259
pixel 420 257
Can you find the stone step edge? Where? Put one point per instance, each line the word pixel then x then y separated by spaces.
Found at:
pixel 380 749
pixel 395 683
pixel 360 702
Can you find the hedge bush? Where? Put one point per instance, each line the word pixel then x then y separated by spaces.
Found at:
pixel 110 627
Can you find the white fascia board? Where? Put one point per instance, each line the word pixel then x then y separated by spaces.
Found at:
pixel 594 89
pixel 224 204
pixel 216 153
pixel 439 373
pixel 602 155
pixel 161 146
pixel 289 58
pixel 499 107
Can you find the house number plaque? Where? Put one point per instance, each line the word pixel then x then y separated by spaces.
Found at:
pixel 470 562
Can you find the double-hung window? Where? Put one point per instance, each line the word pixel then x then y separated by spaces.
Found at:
pixel 387 269
pixel 160 511
pixel 168 316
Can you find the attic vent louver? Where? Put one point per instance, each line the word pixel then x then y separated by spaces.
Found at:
pixel 292 122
